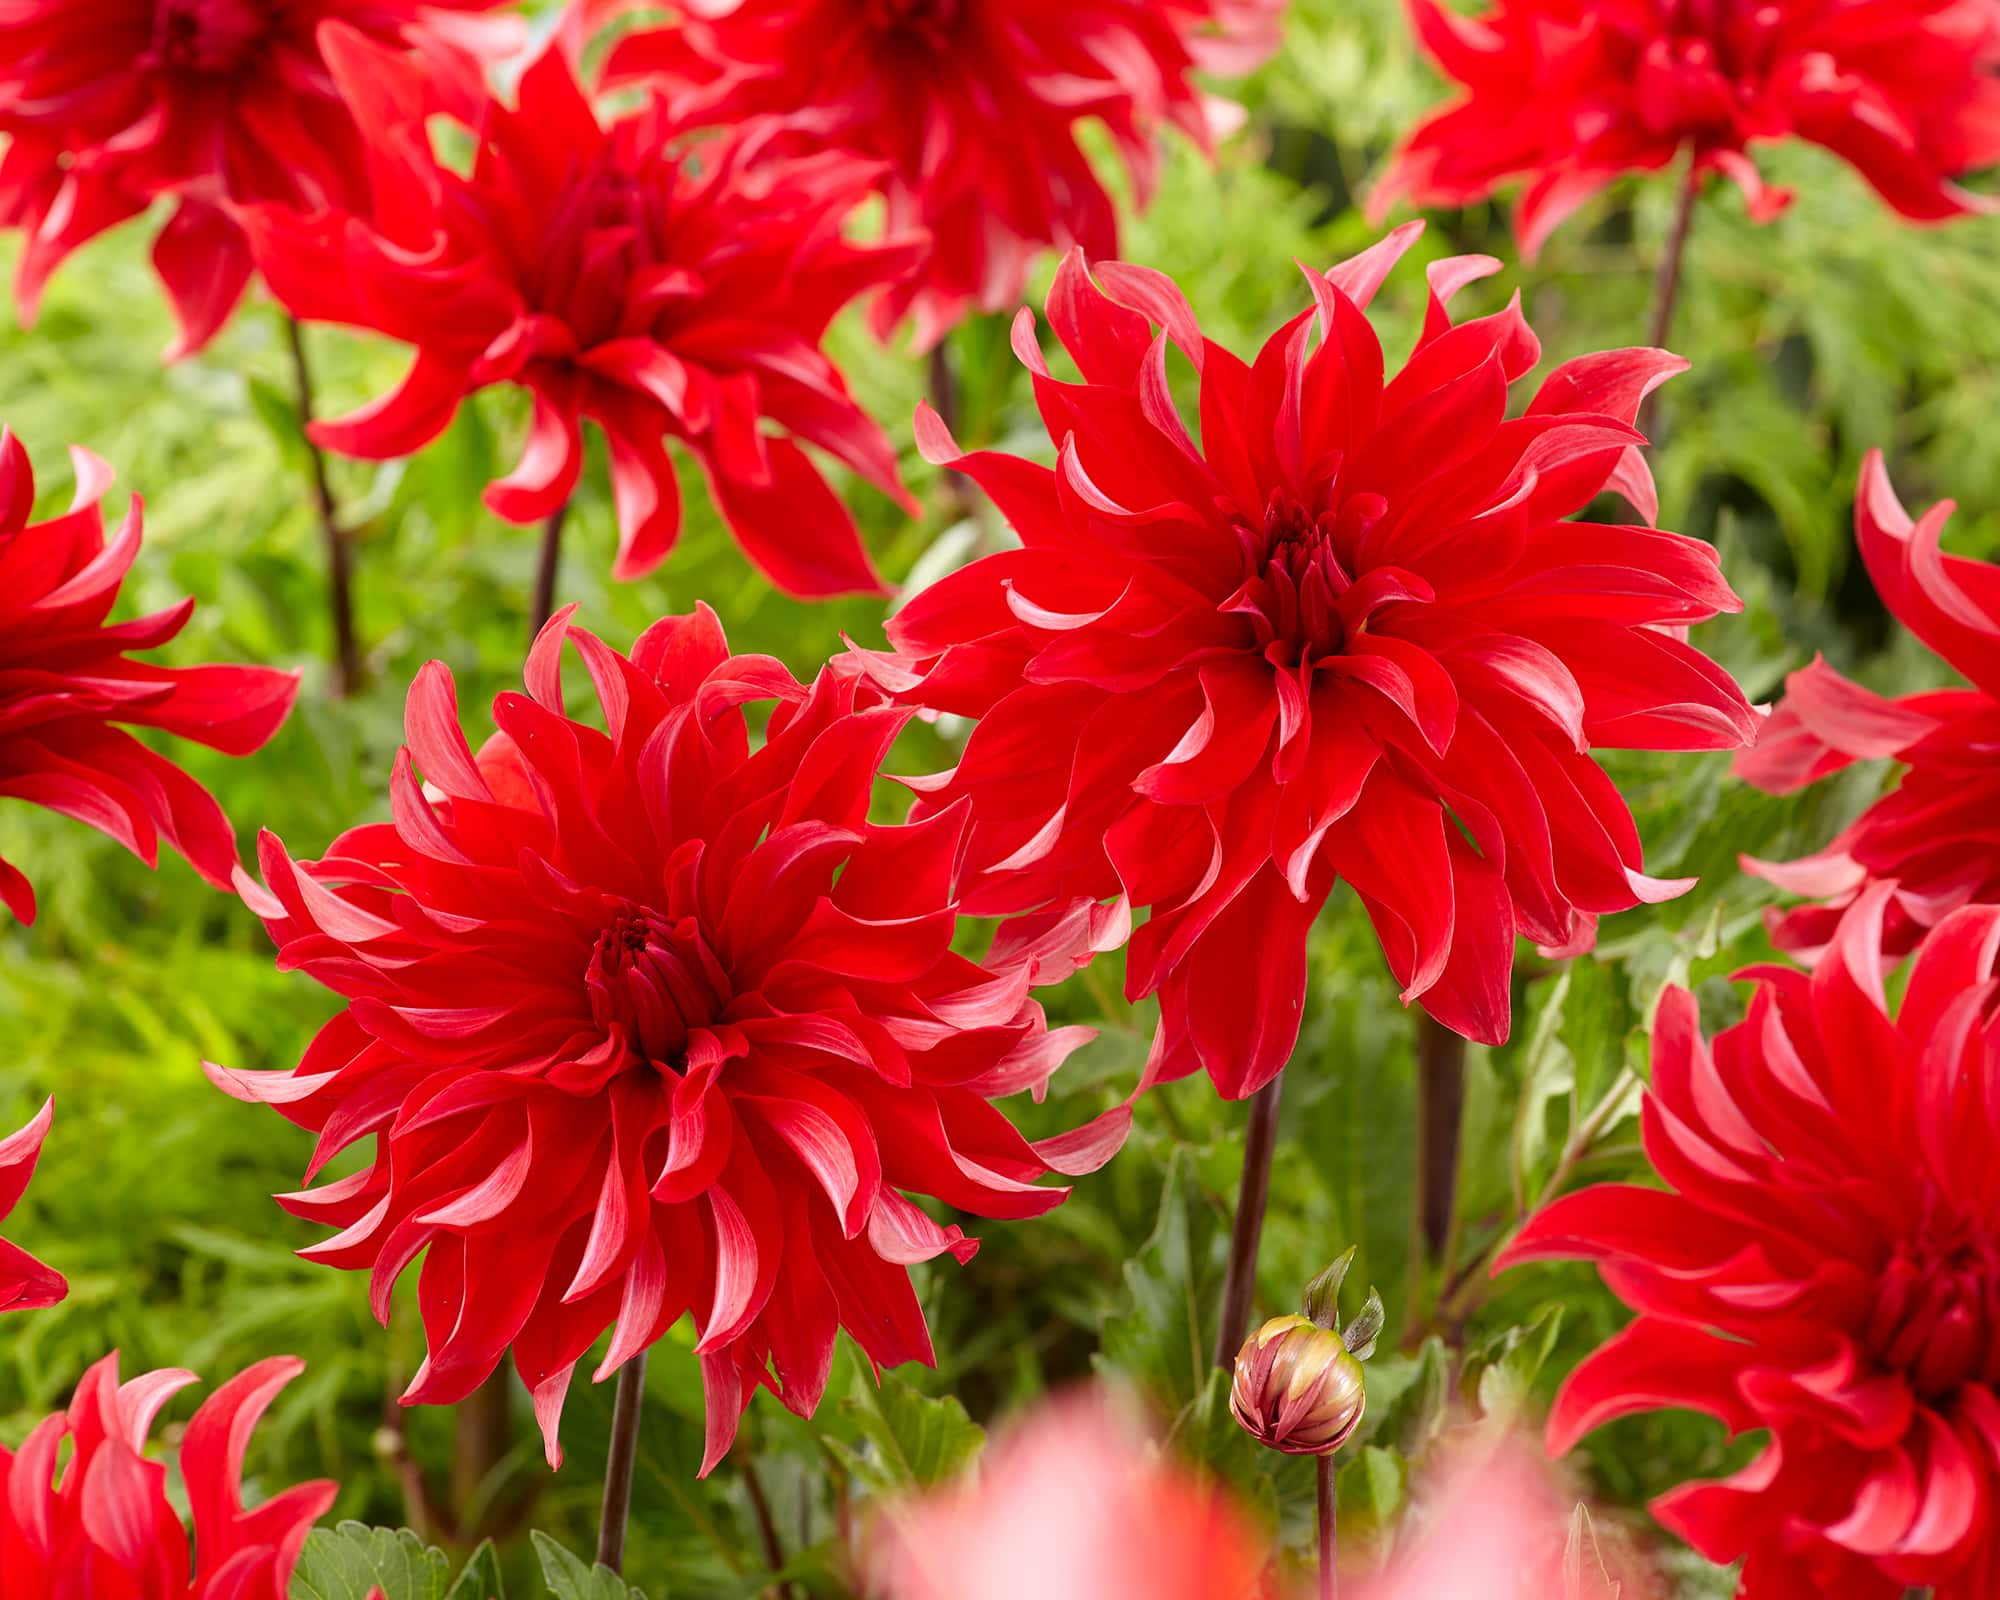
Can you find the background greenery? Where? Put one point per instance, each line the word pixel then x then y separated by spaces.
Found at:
pixel 1833 330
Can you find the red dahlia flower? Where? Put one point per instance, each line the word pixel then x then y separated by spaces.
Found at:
pixel 25 1284
pixel 66 684
pixel 651 1021
pixel 1930 839
pixel 1349 635
pixel 109 105
pixel 1073 1504
pixel 1573 94
pixel 1824 1264
pixel 85 1516
pixel 615 280
pixel 974 107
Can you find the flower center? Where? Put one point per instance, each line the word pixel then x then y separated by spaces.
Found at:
pixel 206 36
pixel 1295 574
pixel 652 981
pixel 1937 1312
pixel 1703 64
pixel 927 23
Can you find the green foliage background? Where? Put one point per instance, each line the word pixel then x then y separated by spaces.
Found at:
pixel 1835 329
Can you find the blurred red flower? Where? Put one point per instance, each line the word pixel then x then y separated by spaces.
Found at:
pixel 1573 94
pixel 652 1021
pixel 25 1284
pixel 66 684
pixel 1074 1504
pixel 1931 838
pixel 110 105
pixel 974 105
pixel 1348 635
pixel 84 1513
pixel 613 279
pixel 1824 1264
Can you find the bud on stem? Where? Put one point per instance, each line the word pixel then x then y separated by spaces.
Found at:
pixel 1298 1387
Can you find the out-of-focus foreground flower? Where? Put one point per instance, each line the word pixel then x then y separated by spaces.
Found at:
pixel 974 106
pixel 25 1283
pixel 69 690
pixel 1824 1265
pixel 1348 635
pixel 617 278
pixel 1490 1523
pixel 84 1515
pixel 648 1021
pixel 1073 1504
pixel 1931 838
pixel 1571 95
pixel 110 105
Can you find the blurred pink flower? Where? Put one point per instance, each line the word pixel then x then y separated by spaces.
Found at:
pixel 1073 1504
pixel 1495 1525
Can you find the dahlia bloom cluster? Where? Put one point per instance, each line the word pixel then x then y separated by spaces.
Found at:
pixel 648 1021
pixel 84 1515
pixel 1930 840
pixel 973 107
pixel 25 1283
pixel 69 689
pixel 110 105
pixel 1571 95
pixel 1824 1264
pixel 614 279
pixel 1218 677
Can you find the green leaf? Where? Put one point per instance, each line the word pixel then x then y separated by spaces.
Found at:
pixel 1321 1306
pixel 914 1439
pixel 1548 1074
pixel 569 1578
pixel 1164 1338
pixel 1366 1327
pixel 482 1578
pixel 1369 1493
pixel 1595 1021
pixel 1500 1375
pixel 1408 1399
pixel 279 413
pixel 353 1560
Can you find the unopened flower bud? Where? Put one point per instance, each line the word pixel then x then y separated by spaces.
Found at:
pixel 1297 1388
pixel 1298 1385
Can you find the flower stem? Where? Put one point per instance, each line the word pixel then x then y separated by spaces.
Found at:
pixel 1239 1285
pixel 1329 1531
pixel 545 573
pixel 1440 1122
pixel 767 1526
pixel 339 556
pixel 620 1463
pixel 1667 276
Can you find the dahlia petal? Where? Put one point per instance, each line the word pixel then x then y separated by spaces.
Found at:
pixel 551 462
pixel 725 1397
pixel 1224 744
pixel 403 421
pixel 646 493
pixel 204 262
pixel 1391 848
pixel 767 519
pixel 1246 986
pixel 1471 996
pixel 899 1232
pixel 1652 1363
